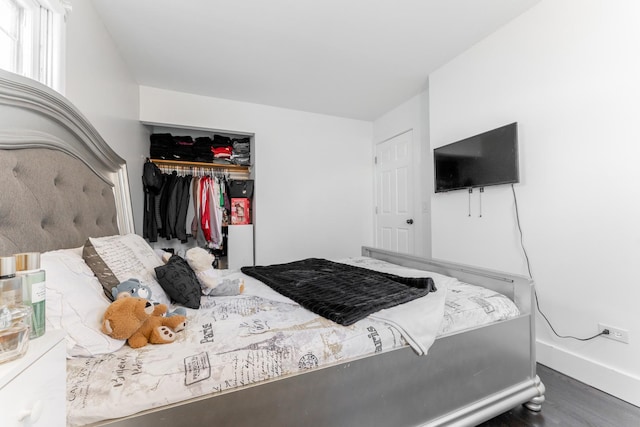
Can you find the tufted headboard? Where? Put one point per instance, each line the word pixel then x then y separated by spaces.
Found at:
pixel 59 181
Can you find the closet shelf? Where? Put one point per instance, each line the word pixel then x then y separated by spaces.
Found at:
pixel 230 167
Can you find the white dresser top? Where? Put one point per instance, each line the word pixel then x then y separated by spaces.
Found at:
pixel 37 347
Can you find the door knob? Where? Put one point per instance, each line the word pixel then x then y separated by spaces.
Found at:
pixel 410 221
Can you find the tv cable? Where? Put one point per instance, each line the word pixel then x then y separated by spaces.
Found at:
pixel 535 292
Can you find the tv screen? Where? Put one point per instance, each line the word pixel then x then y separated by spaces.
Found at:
pixel 490 158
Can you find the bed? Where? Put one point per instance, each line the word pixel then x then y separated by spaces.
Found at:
pixel 65 185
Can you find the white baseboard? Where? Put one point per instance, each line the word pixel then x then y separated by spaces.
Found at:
pixel 619 384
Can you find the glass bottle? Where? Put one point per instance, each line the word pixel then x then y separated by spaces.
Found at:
pixel 33 289
pixel 10 285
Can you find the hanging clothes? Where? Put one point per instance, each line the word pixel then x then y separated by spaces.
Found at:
pixel 166 213
pixel 183 207
pixel 205 206
pixel 152 190
pixel 216 214
pixel 167 188
pixel 190 203
pixel 196 226
pixel 172 208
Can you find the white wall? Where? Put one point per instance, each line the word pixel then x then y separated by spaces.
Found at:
pixel 102 88
pixel 568 72
pixel 413 115
pixel 313 191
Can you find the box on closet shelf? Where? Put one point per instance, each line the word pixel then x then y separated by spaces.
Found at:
pixel 240 211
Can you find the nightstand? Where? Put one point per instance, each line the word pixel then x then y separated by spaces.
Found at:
pixel 33 388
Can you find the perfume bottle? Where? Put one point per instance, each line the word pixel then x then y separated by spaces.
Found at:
pixel 14 331
pixel 33 289
pixel 10 285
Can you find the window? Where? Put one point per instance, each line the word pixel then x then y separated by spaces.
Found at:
pixel 9 34
pixel 32 39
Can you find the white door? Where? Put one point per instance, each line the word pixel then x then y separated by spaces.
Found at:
pixel 394 194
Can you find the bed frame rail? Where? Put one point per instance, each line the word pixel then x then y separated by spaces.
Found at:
pixel 518 288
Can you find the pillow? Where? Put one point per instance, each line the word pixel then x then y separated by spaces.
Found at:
pixel 180 282
pixel 114 259
pixel 75 303
pixel 102 271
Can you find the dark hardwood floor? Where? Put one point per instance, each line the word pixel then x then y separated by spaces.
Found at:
pixel 570 403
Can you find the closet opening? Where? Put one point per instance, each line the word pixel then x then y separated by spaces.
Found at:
pixel 203 195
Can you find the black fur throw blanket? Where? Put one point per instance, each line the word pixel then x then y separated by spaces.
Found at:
pixel 340 292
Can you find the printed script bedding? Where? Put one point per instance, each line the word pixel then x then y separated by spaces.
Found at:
pixel 230 342
pixel 237 341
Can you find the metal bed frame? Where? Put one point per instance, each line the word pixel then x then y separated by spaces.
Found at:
pixel 466 378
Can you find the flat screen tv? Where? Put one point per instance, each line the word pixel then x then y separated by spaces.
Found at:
pixel 490 158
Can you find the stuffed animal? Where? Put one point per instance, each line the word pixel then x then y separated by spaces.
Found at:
pixel 134 288
pixel 140 322
pixel 212 281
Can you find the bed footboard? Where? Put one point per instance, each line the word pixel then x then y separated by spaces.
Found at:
pixel 465 379
pixel 535 404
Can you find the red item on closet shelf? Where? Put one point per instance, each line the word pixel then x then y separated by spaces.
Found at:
pixel 222 152
pixel 240 211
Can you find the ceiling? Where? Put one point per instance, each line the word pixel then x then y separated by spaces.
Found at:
pixel 348 58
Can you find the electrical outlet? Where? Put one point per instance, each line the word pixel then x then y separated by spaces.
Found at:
pixel 616 334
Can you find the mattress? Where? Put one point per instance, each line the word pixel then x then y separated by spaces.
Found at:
pixel 233 342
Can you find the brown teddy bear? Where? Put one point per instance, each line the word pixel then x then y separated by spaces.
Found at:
pixel 140 322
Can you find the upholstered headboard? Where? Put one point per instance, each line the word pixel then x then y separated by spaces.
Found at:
pixel 59 181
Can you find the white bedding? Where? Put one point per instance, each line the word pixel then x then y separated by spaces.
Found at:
pixel 466 306
pixel 236 341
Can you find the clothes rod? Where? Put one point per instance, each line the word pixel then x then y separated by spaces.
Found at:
pixel 180 163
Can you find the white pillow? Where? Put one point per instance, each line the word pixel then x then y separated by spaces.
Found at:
pixel 127 257
pixel 75 302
